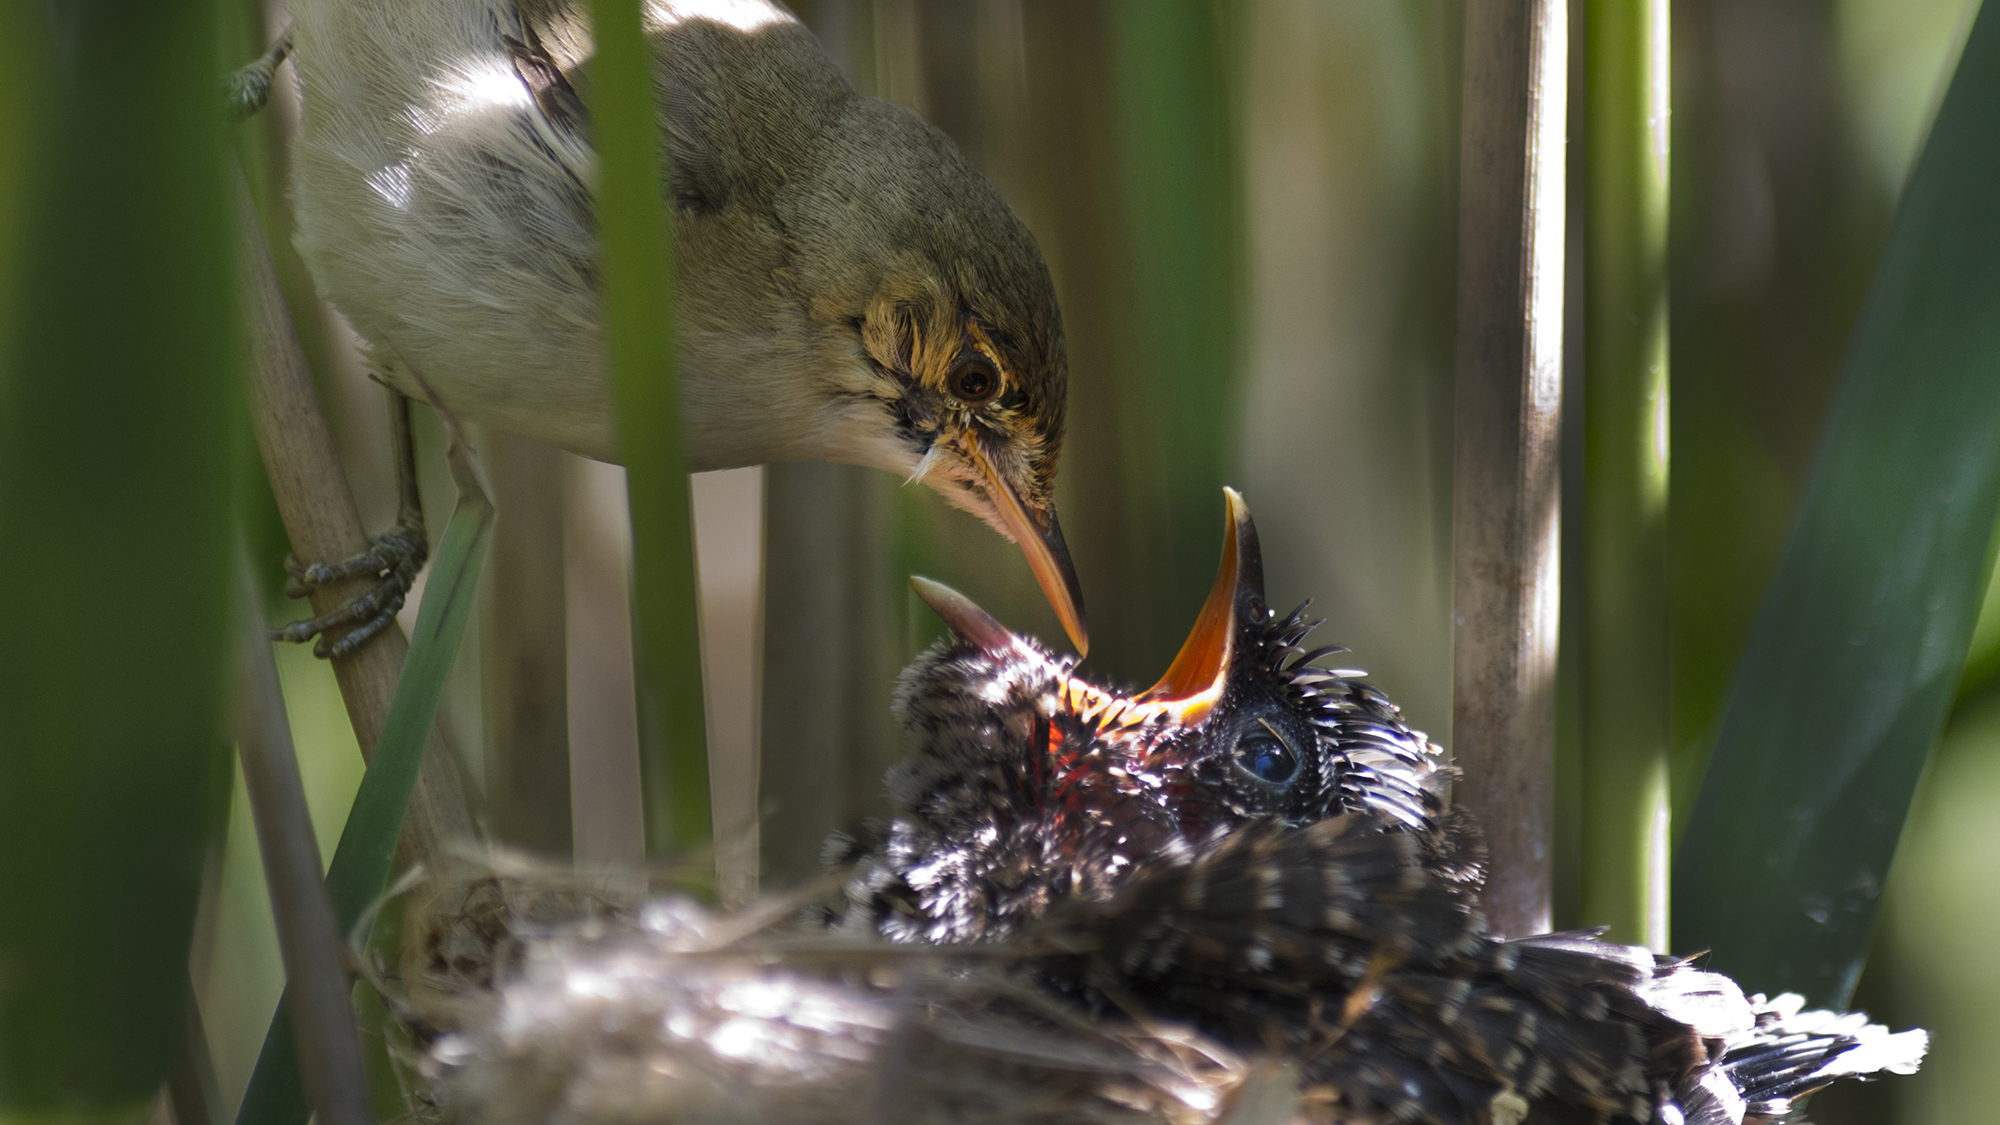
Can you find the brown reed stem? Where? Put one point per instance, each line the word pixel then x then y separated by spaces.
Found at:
pixel 1506 494
pixel 323 523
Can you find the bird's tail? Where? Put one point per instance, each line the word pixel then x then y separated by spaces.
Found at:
pixel 1790 1052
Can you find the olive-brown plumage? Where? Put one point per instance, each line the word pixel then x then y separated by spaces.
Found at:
pixel 849 287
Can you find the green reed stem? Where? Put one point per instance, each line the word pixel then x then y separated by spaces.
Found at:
pixel 1625 701
pixel 639 343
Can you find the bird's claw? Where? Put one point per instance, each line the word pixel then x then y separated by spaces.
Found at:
pixel 394 557
pixel 247 88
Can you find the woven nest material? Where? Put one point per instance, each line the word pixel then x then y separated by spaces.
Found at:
pixel 540 996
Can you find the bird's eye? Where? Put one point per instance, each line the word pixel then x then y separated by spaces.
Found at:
pixel 974 381
pixel 1266 758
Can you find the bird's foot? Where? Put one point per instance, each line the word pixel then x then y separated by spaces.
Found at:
pixel 246 89
pixel 394 557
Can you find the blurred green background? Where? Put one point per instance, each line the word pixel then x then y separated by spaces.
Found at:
pixel 1249 209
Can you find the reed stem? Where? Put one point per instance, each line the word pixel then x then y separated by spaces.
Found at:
pixel 638 295
pixel 1506 482
pixel 1625 701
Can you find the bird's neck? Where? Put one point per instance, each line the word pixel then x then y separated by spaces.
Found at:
pixel 749 400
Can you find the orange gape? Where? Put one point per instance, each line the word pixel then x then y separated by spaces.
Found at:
pixel 1203 661
pixel 1194 680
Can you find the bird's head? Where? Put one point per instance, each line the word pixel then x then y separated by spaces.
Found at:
pixel 1026 783
pixel 937 323
pixel 1245 725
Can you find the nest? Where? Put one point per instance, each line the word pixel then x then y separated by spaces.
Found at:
pixel 534 995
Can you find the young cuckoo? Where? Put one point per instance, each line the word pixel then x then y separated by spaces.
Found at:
pixel 1237 896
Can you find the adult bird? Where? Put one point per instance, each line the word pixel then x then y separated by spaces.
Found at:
pixel 849 288
pixel 1110 906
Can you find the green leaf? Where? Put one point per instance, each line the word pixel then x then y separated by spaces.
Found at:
pixel 1850 671
pixel 119 344
pixel 1982 661
pixel 638 306
pixel 360 868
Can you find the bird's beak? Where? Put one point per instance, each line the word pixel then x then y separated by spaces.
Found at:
pixel 1194 681
pixel 971 623
pixel 1048 555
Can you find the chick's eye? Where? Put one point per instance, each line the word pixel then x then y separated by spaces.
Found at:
pixel 1266 758
pixel 974 381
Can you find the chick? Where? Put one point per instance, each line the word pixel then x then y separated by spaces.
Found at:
pixel 1237 896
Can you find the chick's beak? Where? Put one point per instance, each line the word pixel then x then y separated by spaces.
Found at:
pixel 963 617
pixel 1048 555
pixel 1194 680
